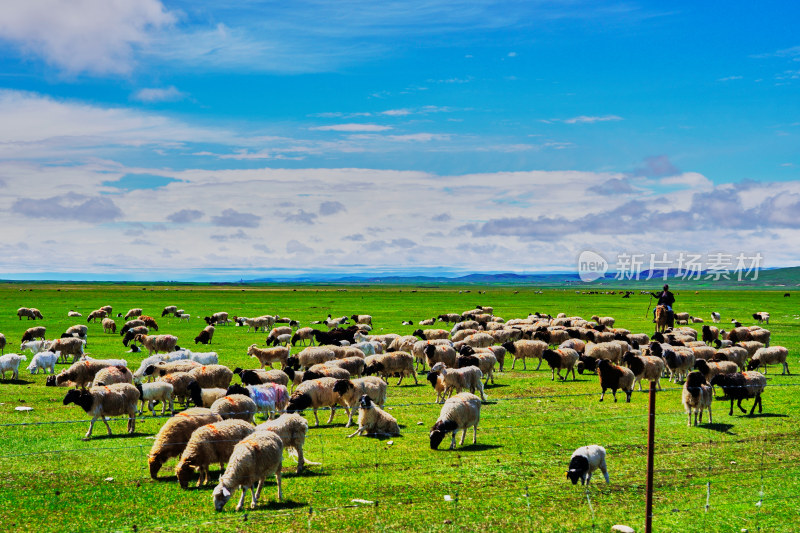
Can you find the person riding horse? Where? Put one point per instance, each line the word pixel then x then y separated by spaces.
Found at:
pixel 667 299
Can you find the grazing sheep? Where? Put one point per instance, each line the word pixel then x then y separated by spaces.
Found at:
pixel 137 311
pixel 431 334
pixel 158 391
pixel 751 346
pixel 737 354
pixel 350 393
pixel 180 381
pixel 353 365
pixel 276 335
pixel 697 396
pixel 132 333
pixel 770 356
pixel 483 358
pixel 109 326
pixel 10 363
pixel 251 461
pixel 157 343
pixel 362 319
pixel 37 332
pixel 43 361
pixel 210 376
pixel 29 313
pixel 526 349
pixel 323 370
pixel 184 316
pixel 171 439
pixel 212 443
pixel 615 377
pixel 460 412
pixel 458 379
pixel 81 373
pixel 169 310
pixel 96 315
pixel 710 334
pixel 205 335
pixel 236 406
pixel 33 346
pixel 584 461
pixel 372 420
pixel 742 385
pixel 205 397
pixel 269 398
pixel 391 364
pixel 561 358
pixel 170 366
pixel 678 363
pixel 709 369
pixel 303 334
pixel 315 394
pixel 267 356
pixel 259 376
pixel 761 317
pixel 149 321
pixel 130 324
pixel 108 400
pixel 204 358
pixel 217 318
pixel 292 430
pixel 645 367
pixel 112 374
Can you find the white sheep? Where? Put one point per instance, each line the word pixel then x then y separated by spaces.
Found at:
pixel 158 391
pixel 292 429
pixel 458 379
pixel 770 356
pixel 34 346
pixel 10 363
pixel 586 460
pixel 460 412
pixel 315 394
pixel 43 361
pixel 372 420
pixel 251 461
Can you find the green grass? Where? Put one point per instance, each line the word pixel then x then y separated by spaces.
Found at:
pixel 513 479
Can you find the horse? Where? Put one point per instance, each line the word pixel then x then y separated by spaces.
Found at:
pixel 663 318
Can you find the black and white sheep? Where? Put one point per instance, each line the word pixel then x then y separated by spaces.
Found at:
pixel 391 364
pixel 459 379
pixel 460 412
pixel 584 461
pixel 526 349
pixel 645 367
pixel 315 394
pixel 561 359
pixel 350 392
pixel 205 335
pixel 615 377
pixel 697 396
pixel 742 385
pixel 372 420
pixel 770 356
pixel 108 400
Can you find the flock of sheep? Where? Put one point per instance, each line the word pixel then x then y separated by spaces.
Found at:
pixel 349 366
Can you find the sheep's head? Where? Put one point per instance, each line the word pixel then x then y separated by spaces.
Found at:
pixel 467 360
pixel 418 333
pixel 298 402
pixel 308 376
pixel 752 364
pixel 221 496
pixel 510 347
pixel 183 471
pixel 374 368
pixel 82 398
pixel 237 389
pixel 342 386
pixel 439 430
pixel 293 363
pixel 432 378
pixel 50 381
pixel 578 466
pixel 155 462
pixel 365 402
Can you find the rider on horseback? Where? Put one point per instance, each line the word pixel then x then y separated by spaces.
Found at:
pixel 666 298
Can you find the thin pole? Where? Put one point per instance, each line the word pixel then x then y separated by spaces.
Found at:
pixel 651 433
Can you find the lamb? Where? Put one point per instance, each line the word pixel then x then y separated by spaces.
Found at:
pixel 81 373
pixel 267 356
pixel 437 382
pixel 205 397
pixel 212 443
pixel 462 411
pixel 303 334
pixel 770 356
pixel 761 317
pixel 157 343
pixel 697 396
pixel 324 370
pixel 44 361
pixel 109 326
pixel 37 332
pixel 449 317
pixel 561 358
pixel 372 420
pixel 615 377
pixel 137 311
pixel 205 335
pixel 292 429
pixel 458 379
pixel 109 400
pixel 645 367
pixel 276 336
pixel 526 349
pixel 29 313
pixel 606 321
pixel 259 377
pixel 10 363
pixel 73 314
pixel 112 374
pixel 96 315
pixel 709 369
pixel 208 376
pixel 350 393
pixel 33 346
pixel 251 461
pixel 171 439
pixel 742 385
pixel 184 316
pixel 315 394
pixel 584 461
pixel 217 318
pixel 158 391
pixel 391 364
pixel 169 310
pixel 431 334
pixel 236 406
pixel 269 398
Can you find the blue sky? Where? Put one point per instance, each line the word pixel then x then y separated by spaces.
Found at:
pixel 180 137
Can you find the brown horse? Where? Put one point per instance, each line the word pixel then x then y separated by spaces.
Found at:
pixel 662 318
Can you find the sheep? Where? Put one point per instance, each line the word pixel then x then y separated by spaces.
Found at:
pixel 251 461
pixel 697 396
pixel 677 363
pixel 315 394
pixel 212 443
pixel 526 349
pixel 267 356
pixel 158 391
pixel 109 326
pixel 761 317
pixel 96 315
pixel 709 369
pixel 132 333
pixel 171 439
pixel 33 346
pixel 561 358
pixel 458 379
pixel 2 343
pixel 354 366
pixel 205 335
pixel 303 334
pixel 574 344
pixel 645 367
pixel 44 361
pixel 461 334
pixel 770 356
pixel 715 317
pixel 236 406
pixel 343 352
pixel 263 322
pixel 169 310
pixel 391 364
pixel 449 317
pixel 742 385
pixel 259 377
pixel 295 376
pixel 460 412
pixel 613 350
pixel 81 373
pixel 615 377
pixel 702 351
pixel 204 397
pixel 108 400
pixel 737 354
pixel 73 314
pixel 426 322
pixel 137 311
pixel 440 353
pixel 149 321
pixel 29 313
pixel 606 321
pixel 431 334
pixel 180 381
pixel 157 343
pixel 37 332
pixel 184 316
pixel 166 365
pixel 130 324
pixel 204 358
pixel 402 344
pixel 710 334
pixel 292 429
pixel 751 346
pixel 372 420
pixel 483 358
pixel 584 461
pixel 269 398
pixel 276 335
pixel 112 374
pixel 362 319
pixel 350 392
pixel 209 376
pixel 217 318
pixel 10 363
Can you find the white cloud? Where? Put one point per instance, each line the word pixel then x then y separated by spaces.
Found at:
pixel 169 94
pixel 352 127
pixel 584 119
pixel 94 36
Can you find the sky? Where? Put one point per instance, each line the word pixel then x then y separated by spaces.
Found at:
pixel 149 139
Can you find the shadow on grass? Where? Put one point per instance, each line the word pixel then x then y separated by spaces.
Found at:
pixel 477 447
pixel 765 415
pixel 277 506
pixel 16 382
pixel 106 436
pixel 497 386
pixel 722 428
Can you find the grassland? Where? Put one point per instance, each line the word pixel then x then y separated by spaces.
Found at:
pixel 745 468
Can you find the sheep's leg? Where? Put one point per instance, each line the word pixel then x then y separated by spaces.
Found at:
pixel 742 409
pixel 333 412
pixel 256 493
pixel 730 413
pixel 300 460
pixel 513 363
pixel 524 365
pixel 357 432
pixel 91 426
pixel 131 422
pixel 709 414
pixel 240 505
pixel 453 441
pixel 553 374
pixel 105 421
pixel 614 393
pixel 602 395
pixel 689 423
pixel 540 364
pixel 604 470
pixel 415 378
pixel 278 481
pixel 316 418
pixel 474 433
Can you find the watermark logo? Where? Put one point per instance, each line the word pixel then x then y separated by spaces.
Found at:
pixel 591 266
